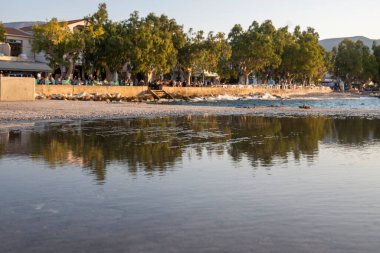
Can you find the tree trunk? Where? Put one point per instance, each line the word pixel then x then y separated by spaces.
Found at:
pixel 63 71
pixel 241 79
pixel 246 79
pixel 188 77
pixel 111 76
pixel 69 73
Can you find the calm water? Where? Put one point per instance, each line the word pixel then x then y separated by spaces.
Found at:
pixel 342 103
pixel 192 184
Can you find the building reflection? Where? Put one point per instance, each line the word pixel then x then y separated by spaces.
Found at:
pixel 157 145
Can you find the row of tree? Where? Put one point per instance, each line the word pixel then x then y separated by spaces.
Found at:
pixel 354 63
pixel 153 46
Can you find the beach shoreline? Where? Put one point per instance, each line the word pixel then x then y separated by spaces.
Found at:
pixel 25 114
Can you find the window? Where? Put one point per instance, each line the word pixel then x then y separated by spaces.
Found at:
pixel 16 47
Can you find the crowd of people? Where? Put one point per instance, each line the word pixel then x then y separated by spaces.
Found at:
pixel 158 84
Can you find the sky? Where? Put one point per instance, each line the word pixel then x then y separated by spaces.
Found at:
pixel 333 18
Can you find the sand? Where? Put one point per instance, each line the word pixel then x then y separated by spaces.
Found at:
pixel 19 114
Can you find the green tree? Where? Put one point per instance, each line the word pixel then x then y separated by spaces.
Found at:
pixel 201 54
pixel 2 32
pixel 252 50
pixel 93 31
pixel 289 59
pixel 376 53
pixel 354 63
pixel 311 56
pixel 154 44
pixel 282 39
pixel 61 46
pixel 302 58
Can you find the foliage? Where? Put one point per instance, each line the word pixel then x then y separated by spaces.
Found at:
pixel 61 46
pixel 93 31
pixel 311 56
pixel 2 32
pixel 302 59
pixel 354 63
pixel 154 43
pixel 108 44
pixel 201 54
pixel 253 50
pixel 376 53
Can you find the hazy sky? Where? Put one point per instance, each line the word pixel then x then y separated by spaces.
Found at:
pixel 331 18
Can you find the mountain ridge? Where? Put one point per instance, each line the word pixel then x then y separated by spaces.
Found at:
pixel 22 24
pixel 328 44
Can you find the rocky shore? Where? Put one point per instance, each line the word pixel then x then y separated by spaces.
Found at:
pixel 13 114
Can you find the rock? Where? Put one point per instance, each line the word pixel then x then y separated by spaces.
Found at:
pixel 82 96
pixel 305 106
pixel 58 97
pixel 38 96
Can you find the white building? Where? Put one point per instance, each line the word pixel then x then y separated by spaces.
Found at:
pixel 17 56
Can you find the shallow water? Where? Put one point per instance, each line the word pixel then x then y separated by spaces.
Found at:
pixel 363 103
pixel 192 184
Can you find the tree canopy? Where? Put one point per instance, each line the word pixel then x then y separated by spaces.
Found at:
pixel 155 45
pixel 201 54
pixel 253 50
pixel 354 63
pixel 61 46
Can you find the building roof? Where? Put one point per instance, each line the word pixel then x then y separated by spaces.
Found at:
pixel 27 29
pixel 24 66
pixel 16 32
pixel 75 21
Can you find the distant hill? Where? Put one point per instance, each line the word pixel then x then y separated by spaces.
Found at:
pixel 328 44
pixel 22 24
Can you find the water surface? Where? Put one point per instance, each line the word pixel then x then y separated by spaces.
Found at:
pixel 192 184
pixel 362 103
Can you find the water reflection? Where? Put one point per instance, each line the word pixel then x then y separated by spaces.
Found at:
pixel 158 145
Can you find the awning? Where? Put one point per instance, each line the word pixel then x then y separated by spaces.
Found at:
pixel 24 66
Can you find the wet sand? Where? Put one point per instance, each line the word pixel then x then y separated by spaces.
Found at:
pixel 19 114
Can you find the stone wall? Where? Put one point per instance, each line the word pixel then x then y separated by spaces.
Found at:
pixel 17 89
pixel 125 91
pixel 135 91
pixel 241 90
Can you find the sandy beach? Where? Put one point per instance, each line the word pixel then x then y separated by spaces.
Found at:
pixel 18 114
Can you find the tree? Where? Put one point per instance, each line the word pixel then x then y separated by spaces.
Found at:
pixel 111 50
pixel 354 63
pixel 302 57
pixel 93 31
pixel 191 55
pixel 200 53
pixel 290 63
pixel 61 46
pixel 154 44
pixel 252 50
pixel 218 52
pixel 282 39
pixel 311 56
pixel 376 53
pixel 2 32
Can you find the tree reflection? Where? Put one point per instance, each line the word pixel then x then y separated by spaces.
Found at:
pixel 157 145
